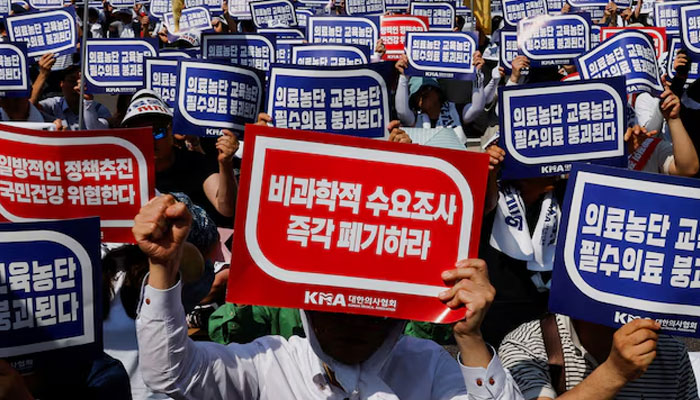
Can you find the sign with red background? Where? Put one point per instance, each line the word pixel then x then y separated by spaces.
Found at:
pixel 49 175
pixel 393 28
pixel 344 224
pixel 657 34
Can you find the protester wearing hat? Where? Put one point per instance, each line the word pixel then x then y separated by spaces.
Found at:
pixel 420 102
pixel 210 186
pixel 67 107
pixel 343 356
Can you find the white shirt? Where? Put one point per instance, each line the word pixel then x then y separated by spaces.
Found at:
pixel 274 368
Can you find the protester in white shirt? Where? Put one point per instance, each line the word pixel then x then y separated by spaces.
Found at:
pixel 344 357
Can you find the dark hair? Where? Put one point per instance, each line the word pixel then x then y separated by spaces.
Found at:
pixel 424 90
pixel 134 263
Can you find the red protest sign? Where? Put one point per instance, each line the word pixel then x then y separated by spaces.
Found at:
pixel 344 224
pixel 393 30
pixel 49 175
pixel 656 33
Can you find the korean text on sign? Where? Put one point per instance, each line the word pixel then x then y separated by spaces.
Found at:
pixel 116 66
pixel 14 74
pixel 255 51
pixel 343 30
pixel 44 32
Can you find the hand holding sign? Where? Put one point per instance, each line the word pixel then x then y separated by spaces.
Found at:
pixel 160 230
pixel 633 350
pixel 227 146
pixel 12 384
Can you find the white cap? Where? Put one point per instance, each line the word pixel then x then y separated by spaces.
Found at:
pixel 146 103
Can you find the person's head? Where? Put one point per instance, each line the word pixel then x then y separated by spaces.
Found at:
pixel 425 95
pixel 147 109
pixel 348 338
pixel 70 86
pixel 93 15
pixel 124 15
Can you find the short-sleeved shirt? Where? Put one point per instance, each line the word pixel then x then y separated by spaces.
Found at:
pixel 522 352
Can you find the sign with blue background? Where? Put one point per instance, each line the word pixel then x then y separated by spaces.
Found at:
pixel 350 100
pixel 595 36
pixel 547 127
pixel 273 13
pixel 515 10
pixel 116 66
pixel 667 15
pixel 255 51
pixel 330 55
pixel 45 4
pixel 630 54
pixel 597 3
pixel 50 287
pixel 14 70
pixel 303 16
pixel 214 6
pixel 690 30
pixel 196 19
pixel 157 8
pixel 343 30
pixel 215 96
pixel 628 247
pixel 397 5
pixel 554 39
pixel 283 50
pixel 507 50
pixel 365 7
pixel 161 77
pixel 441 15
pixel 5 6
pixel 673 48
pixel 283 33
pixel 45 31
pixel 441 54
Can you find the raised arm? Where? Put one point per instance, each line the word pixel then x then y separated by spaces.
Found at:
pixel 403 110
pixel 685 157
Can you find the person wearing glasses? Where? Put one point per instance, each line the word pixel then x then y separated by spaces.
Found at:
pixel 210 186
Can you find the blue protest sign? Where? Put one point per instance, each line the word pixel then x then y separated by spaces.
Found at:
pixel 45 31
pixel 161 77
pixel 14 70
pixel 273 13
pixel 283 33
pixel 496 9
pixel 313 4
pixel 396 5
pixel 5 6
pixel 507 50
pixel 673 48
pixel 362 8
pixel 283 50
pixel 546 127
pixel 303 16
pixel 214 6
pixel 239 9
pixel 116 66
pixel 595 36
pixel 461 9
pixel 50 288
pixel 515 10
pixel 347 100
pixel 554 39
pixel 157 8
pixel 441 15
pixel 667 15
pixel 441 54
pixel 630 54
pixel 45 4
pixel 213 96
pixel 647 6
pixel 597 3
pixel 174 53
pixel 330 55
pixel 555 6
pixel 628 248
pixel 256 51
pixel 690 29
pixel 343 30
pixel 196 19
pixel 121 4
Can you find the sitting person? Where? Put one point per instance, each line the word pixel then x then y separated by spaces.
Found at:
pixel 343 356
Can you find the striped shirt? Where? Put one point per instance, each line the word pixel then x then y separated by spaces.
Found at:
pixel 522 352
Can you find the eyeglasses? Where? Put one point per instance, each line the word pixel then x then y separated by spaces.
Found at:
pixel 160 132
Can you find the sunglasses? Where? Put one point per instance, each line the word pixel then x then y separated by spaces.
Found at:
pixel 160 132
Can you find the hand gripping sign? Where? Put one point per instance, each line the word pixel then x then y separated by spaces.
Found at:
pixel 657 34
pixel 441 15
pixel 273 13
pixel 343 30
pixel 393 30
pixel 515 10
pixel 630 54
pixel 215 96
pixel 330 55
pixel 44 32
pixel 546 127
pixel 50 289
pixel 347 100
pixel 628 248
pixel 363 8
pixel 255 51
pixel 14 74
pixel 673 48
pixel 352 239
pixel 554 39
pixel 441 54
pixel 667 14
pixel 89 173
pixel 690 30
pixel 161 77
pixel 116 66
